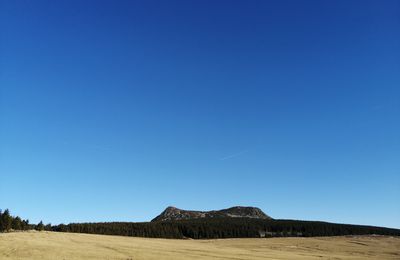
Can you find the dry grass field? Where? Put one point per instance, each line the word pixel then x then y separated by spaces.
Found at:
pixel 50 245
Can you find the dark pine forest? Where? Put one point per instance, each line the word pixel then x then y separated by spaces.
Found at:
pixel 202 228
pixel 225 228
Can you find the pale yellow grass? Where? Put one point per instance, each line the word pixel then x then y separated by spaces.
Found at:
pixel 50 245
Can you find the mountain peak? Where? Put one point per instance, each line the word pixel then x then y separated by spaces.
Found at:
pixel 173 213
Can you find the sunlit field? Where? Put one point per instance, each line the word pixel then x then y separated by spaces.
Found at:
pixel 52 245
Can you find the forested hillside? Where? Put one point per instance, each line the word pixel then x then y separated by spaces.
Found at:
pixel 204 228
pixel 225 228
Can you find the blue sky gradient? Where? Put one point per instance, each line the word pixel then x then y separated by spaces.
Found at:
pixel 113 110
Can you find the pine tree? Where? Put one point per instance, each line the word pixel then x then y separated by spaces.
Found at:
pixel 17 223
pixel 40 226
pixel 6 221
pixel 1 221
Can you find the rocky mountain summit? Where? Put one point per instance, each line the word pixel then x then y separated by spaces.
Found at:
pixel 172 213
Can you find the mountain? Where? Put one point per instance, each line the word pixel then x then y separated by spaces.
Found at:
pixel 235 222
pixel 172 213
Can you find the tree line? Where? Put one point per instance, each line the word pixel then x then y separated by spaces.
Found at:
pixel 205 228
pixel 9 223
pixel 213 228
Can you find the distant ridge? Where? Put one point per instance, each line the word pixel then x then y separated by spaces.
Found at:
pixel 173 213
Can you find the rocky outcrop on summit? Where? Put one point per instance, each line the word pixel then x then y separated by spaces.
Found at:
pixel 172 213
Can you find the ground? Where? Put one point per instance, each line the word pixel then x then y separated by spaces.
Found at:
pixel 51 245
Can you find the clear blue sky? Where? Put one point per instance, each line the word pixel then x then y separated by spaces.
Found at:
pixel 113 110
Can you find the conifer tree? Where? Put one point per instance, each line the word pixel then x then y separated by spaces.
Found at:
pixel 6 221
pixel 17 223
pixel 40 226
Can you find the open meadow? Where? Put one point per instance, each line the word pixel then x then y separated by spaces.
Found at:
pixel 52 245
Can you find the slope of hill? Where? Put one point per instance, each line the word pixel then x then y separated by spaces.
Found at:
pixel 172 213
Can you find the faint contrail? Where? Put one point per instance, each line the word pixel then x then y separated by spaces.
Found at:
pixel 233 155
